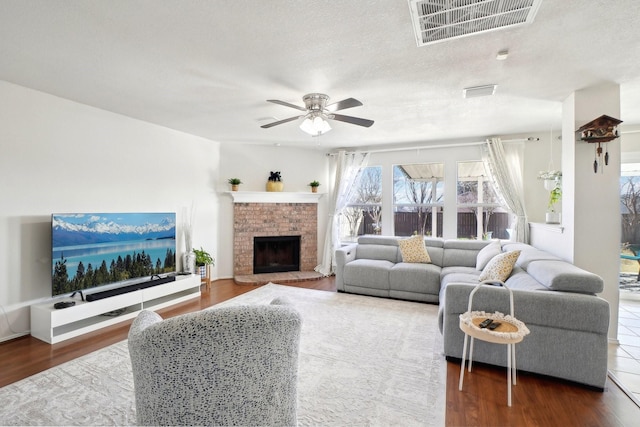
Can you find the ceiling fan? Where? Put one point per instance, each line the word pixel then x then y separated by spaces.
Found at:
pixel 317 112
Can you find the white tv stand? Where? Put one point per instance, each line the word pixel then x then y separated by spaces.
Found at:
pixel 54 325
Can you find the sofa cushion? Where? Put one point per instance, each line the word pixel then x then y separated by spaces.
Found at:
pixel 470 275
pixel 500 267
pixel 563 276
pixel 435 247
pixel 521 280
pixel 487 253
pixel 415 277
pixel 528 254
pixel 413 250
pixel 462 252
pixel 377 252
pixel 369 273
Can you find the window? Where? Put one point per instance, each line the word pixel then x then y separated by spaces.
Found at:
pixel 480 214
pixel 630 242
pixel 418 191
pixel 363 213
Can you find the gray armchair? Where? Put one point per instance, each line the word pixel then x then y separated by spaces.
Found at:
pixel 227 366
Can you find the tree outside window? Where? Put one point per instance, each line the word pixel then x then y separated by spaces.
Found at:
pixel 363 214
pixel 418 191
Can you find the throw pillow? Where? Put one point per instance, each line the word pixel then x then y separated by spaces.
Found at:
pixel 500 267
pixel 413 250
pixel 487 253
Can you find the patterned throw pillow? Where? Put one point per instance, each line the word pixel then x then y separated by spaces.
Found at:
pixel 500 267
pixel 413 250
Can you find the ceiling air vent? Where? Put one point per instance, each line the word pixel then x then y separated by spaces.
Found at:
pixel 438 20
pixel 476 91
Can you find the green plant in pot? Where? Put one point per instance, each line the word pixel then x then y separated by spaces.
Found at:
pixel 203 257
pixel 235 182
pixel 555 195
pixel 314 186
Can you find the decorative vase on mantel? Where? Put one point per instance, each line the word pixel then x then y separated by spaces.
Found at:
pixel 275 183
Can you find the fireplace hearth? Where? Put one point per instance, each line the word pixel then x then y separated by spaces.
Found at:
pixel 275 254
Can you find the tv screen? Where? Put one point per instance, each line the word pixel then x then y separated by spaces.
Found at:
pixel 98 249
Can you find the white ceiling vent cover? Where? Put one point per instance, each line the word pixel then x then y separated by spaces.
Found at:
pixel 476 91
pixel 438 20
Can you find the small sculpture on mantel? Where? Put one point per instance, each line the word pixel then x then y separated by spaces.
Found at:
pixel 274 176
pixel 274 183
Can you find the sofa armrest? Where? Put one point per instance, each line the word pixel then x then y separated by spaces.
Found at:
pixel 343 255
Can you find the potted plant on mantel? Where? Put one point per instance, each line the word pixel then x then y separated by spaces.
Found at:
pixel 314 186
pixel 235 182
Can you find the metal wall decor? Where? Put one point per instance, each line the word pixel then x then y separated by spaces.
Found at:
pixel 600 131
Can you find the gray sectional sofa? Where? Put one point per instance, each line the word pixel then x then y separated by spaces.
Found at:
pixel 555 299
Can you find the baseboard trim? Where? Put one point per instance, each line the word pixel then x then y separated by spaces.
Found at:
pixel 13 336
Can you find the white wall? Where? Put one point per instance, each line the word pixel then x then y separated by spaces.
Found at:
pixel 252 164
pixel 61 156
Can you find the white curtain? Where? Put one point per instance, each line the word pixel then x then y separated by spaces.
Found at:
pixel 348 166
pixel 504 166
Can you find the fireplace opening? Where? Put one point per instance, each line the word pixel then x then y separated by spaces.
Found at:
pixel 275 254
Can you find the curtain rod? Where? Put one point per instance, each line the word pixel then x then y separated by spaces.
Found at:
pixel 424 147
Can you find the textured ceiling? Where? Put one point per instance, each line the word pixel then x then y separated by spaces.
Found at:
pixel 208 67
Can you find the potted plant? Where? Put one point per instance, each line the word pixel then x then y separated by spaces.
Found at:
pixel 553 217
pixel 235 182
pixel 203 259
pixel 551 178
pixel 314 186
pixel 274 182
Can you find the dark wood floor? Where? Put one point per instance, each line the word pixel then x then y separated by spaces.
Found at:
pixel 536 401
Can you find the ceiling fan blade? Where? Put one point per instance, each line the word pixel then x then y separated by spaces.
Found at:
pixel 279 122
pixel 344 104
pixel 353 120
pixel 286 104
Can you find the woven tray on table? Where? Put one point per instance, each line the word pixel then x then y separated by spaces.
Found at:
pixel 510 331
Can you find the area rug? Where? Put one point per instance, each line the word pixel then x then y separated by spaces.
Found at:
pixel 364 361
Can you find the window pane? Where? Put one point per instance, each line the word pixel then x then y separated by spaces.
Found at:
pixel 497 220
pixel 418 220
pixel 363 214
pixel 630 243
pixel 418 191
pixel 480 214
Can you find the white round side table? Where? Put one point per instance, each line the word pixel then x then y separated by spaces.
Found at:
pixel 510 332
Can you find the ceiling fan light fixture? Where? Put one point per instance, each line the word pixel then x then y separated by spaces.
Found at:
pixel 315 125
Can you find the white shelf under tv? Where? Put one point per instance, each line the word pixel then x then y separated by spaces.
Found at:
pixel 53 325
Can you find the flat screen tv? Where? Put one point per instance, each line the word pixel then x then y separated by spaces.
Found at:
pixel 92 250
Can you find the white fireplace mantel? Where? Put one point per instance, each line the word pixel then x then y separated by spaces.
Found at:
pixel 274 197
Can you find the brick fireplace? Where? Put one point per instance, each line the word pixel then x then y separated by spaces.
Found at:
pixel 265 217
